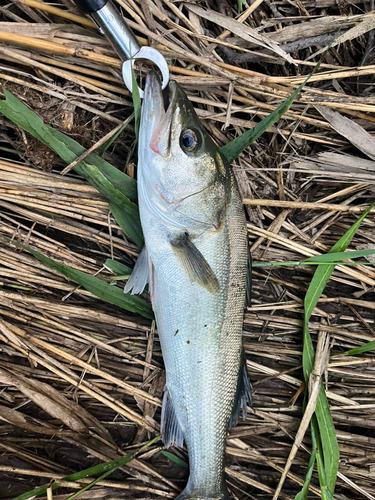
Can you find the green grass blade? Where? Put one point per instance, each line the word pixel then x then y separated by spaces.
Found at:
pixel 76 477
pixel 329 459
pixel 99 288
pixel 237 145
pixel 67 148
pixel 137 103
pixel 312 263
pixel 125 184
pixel 106 145
pixel 323 274
pixel 302 495
pixel 241 4
pixel 106 468
pixel 127 218
pixel 90 485
pixel 96 286
pixel 330 451
pixel 122 272
pixel 175 459
pixel 126 460
pixel 117 267
pixel 317 446
pixel 369 346
pixel 331 257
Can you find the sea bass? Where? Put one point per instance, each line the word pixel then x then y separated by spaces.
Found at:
pixel 195 261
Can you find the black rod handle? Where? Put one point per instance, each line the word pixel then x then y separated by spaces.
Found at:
pixel 90 6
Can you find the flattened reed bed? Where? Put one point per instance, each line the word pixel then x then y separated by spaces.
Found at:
pixel 81 381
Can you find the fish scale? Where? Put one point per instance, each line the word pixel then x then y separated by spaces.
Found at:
pixel 197 260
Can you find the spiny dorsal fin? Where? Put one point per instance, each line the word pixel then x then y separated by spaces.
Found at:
pixel 194 264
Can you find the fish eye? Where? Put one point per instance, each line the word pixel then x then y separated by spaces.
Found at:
pixel 190 141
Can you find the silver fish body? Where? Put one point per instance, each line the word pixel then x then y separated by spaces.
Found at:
pixel 196 260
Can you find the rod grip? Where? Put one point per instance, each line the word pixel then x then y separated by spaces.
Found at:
pixel 90 6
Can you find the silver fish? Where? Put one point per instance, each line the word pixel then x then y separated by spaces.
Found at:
pixel 195 260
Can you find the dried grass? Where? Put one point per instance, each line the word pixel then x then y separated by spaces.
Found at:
pixel 81 380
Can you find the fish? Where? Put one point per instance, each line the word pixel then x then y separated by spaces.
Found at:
pixel 195 261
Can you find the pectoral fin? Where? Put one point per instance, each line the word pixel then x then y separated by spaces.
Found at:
pixel 194 264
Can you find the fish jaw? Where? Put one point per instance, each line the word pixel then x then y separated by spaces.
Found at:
pixel 175 184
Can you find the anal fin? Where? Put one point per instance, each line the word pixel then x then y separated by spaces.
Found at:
pixel 170 428
pixel 243 396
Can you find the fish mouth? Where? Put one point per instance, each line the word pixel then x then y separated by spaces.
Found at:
pixel 163 106
pixel 153 90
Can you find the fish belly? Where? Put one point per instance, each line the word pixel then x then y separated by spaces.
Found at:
pixel 200 335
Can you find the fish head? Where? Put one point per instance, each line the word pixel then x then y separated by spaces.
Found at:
pixel 184 179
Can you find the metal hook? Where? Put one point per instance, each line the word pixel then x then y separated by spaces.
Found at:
pixel 112 24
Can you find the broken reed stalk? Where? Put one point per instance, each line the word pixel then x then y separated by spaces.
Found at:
pixel 255 77
pixel 302 205
pixel 94 147
pixel 321 359
pixel 58 48
pixel 59 12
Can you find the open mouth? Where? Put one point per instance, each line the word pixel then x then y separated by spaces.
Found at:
pixel 168 94
pixel 162 106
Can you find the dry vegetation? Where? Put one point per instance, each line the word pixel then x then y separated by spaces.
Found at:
pixel 81 381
